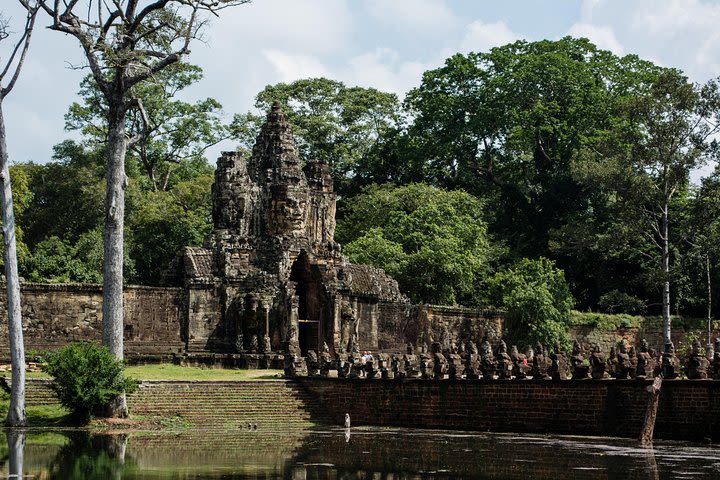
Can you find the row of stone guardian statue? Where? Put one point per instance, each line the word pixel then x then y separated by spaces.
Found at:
pixel 469 362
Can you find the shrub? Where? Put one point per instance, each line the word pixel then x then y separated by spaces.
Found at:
pixel 87 378
pixel 620 302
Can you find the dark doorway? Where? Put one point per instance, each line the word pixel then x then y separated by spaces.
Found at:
pixel 311 304
pixel 309 336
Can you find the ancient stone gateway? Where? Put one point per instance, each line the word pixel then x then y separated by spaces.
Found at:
pixel 271 268
pixel 269 279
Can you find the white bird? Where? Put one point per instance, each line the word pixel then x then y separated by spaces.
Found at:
pixel 347 420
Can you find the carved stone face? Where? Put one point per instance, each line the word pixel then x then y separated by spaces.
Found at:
pixel 287 209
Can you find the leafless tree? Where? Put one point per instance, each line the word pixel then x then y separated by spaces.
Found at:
pixel 126 43
pixel 8 76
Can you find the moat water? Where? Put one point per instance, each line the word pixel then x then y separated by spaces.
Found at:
pixel 364 453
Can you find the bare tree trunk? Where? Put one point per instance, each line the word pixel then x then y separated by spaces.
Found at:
pixel 709 302
pixel 646 435
pixel 113 241
pixel 16 413
pixel 665 240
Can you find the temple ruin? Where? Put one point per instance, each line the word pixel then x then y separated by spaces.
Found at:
pixel 269 280
pixel 271 272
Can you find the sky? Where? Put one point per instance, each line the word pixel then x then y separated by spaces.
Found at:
pixel 386 44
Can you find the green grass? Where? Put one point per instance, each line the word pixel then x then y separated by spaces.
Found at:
pixel 40 415
pixel 168 371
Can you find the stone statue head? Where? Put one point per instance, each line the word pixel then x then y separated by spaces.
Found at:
pixel 644 345
pixel 622 346
pixel 346 312
pixel 696 347
pixel 576 348
pixel 503 347
pixel 514 351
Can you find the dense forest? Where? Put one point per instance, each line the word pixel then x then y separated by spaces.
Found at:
pixel 538 176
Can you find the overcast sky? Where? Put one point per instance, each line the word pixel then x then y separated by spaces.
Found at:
pixel 385 44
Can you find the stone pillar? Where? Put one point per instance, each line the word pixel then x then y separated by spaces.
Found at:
pixel 266 314
pixel 337 324
pixel 294 326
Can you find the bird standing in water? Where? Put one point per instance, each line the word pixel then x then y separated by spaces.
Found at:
pixel 347 420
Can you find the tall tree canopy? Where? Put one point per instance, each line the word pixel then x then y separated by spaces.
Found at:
pixel 173 134
pixel 433 241
pixel 332 122
pixel 508 124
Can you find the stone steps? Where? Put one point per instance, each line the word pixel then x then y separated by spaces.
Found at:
pixel 271 404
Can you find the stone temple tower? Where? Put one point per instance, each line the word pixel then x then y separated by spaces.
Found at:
pixel 271 271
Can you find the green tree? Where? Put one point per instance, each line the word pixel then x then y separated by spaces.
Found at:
pixel 537 300
pixel 67 195
pixel 661 135
pixel 161 223
pixel 332 122
pixel 703 230
pixel 126 46
pixel 433 241
pixel 512 126
pixel 173 134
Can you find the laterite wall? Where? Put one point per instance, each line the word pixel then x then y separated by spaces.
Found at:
pixel 55 315
pixel 689 409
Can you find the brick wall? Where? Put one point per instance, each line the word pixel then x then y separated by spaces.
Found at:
pixel 688 409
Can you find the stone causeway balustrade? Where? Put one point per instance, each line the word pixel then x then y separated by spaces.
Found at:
pixel 468 362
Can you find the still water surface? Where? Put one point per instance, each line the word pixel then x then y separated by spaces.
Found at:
pixel 366 453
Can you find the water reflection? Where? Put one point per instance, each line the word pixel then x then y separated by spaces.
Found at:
pixel 376 454
pixel 16 450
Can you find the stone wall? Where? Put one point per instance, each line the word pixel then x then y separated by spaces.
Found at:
pixel 589 336
pixel 689 409
pixel 54 315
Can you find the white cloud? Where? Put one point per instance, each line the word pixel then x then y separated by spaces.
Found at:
pixel 481 37
pixel 290 67
pixel 602 36
pixel 678 33
pixel 308 26
pixel 382 69
pixel 422 15
pixel 677 16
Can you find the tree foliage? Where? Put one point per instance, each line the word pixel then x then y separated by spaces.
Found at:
pixel 537 300
pixel 434 241
pixel 173 133
pixel 332 122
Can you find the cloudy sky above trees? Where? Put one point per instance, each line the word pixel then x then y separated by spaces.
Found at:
pixel 386 44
